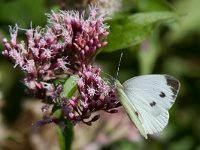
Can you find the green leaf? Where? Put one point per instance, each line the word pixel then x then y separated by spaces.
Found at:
pixel 153 5
pixel 57 112
pixel 23 12
pixel 65 137
pixel 190 22
pixel 70 87
pixel 132 30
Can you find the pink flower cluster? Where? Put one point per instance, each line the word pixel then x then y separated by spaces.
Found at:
pixel 95 94
pixel 63 48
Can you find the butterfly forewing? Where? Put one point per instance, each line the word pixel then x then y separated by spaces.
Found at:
pixel 152 96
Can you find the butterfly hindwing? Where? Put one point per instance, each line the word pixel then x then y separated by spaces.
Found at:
pixel 152 96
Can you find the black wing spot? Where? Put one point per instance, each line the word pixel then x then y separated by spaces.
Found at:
pixel 173 83
pixel 152 104
pixel 162 94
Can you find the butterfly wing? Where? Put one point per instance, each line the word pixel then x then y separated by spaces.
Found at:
pixel 130 108
pixel 152 96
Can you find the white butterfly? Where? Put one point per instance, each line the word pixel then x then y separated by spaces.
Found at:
pixel 147 100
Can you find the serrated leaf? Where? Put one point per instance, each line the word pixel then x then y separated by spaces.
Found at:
pixel 132 30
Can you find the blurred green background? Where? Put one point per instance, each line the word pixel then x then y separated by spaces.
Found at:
pixel 168 47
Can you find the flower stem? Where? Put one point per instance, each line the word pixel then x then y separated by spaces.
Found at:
pixel 65 136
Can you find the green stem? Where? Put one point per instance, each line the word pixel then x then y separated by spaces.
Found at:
pixel 65 137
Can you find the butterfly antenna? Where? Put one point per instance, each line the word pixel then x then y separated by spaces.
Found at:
pixel 114 79
pixel 120 59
